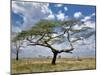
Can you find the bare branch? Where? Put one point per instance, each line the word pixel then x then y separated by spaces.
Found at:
pixel 38 44
pixel 77 39
pixel 59 35
pixel 41 38
pixel 50 38
pixel 66 50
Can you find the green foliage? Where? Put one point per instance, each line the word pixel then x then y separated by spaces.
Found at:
pixel 43 27
pixel 48 24
pixel 71 22
pixel 20 36
pixel 47 27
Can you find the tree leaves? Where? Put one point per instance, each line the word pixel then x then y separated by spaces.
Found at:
pixel 43 33
pixel 71 22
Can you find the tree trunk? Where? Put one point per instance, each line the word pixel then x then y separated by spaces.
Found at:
pixel 17 57
pixel 54 58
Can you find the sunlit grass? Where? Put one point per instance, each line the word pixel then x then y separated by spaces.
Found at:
pixel 44 65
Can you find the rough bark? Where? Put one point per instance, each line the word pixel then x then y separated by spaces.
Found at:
pixel 54 58
pixel 17 55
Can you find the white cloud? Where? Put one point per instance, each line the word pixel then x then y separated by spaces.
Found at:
pixel 16 8
pixel 65 8
pixel 90 24
pixel 45 9
pixel 77 14
pixel 93 14
pixel 77 27
pixel 86 24
pixel 86 18
pixel 58 5
pixel 32 12
pixel 50 17
pixel 53 35
pixel 61 16
pixel 41 11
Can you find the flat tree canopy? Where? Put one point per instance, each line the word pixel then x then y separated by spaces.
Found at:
pixel 47 33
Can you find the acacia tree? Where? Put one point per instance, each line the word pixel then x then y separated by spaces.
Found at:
pixel 47 33
pixel 18 43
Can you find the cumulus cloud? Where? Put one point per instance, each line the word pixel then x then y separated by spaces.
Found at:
pixel 93 14
pixel 65 8
pixel 61 16
pixel 77 14
pixel 77 27
pixel 32 12
pixel 90 24
pixel 86 18
pixel 58 5
pixel 50 17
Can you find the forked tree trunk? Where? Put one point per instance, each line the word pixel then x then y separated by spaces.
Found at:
pixel 17 57
pixel 54 58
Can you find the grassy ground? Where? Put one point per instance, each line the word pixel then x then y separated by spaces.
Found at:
pixel 44 65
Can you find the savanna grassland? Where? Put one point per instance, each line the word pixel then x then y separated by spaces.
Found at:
pixel 44 65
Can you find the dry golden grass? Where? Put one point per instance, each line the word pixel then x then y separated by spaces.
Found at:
pixel 44 65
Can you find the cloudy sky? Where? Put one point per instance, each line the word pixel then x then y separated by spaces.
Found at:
pixel 25 14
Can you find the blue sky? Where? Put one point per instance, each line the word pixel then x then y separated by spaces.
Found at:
pixel 22 10
pixel 25 14
pixel 85 10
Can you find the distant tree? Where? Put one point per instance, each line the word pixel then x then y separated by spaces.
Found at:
pixel 48 57
pixel 59 56
pixel 18 43
pixel 47 33
pixel 79 59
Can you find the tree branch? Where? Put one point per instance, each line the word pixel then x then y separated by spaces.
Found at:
pixel 50 38
pixel 41 38
pixel 35 43
pixel 46 44
pixel 38 44
pixel 66 50
pixel 49 46
pixel 59 35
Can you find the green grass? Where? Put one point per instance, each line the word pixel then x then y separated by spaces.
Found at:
pixel 44 65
